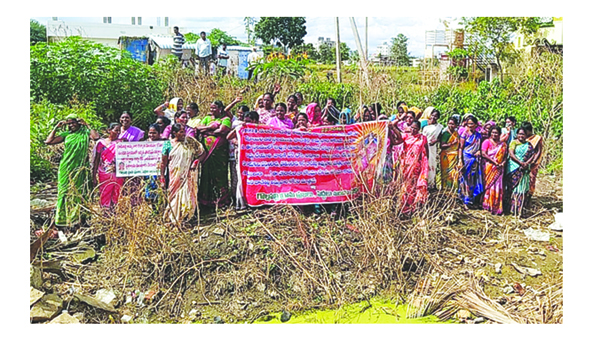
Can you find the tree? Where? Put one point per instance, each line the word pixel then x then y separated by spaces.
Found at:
pixel 218 37
pixel 249 24
pixel 399 50
pixel 326 53
pixel 491 36
pixel 344 51
pixel 307 48
pixel 37 32
pixel 286 32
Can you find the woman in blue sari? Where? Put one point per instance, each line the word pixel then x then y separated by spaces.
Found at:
pixel 470 181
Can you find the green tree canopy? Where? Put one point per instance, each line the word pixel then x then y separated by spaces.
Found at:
pixel 285 32
pixel 218 37
pixel 492 36
pixel 37 32
pixel 307 48
pixel 326 53
pixel 399 50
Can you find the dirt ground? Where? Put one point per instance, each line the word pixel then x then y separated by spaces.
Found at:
pixel 229 272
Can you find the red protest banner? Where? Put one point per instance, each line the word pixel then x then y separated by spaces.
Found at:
pixel 323 165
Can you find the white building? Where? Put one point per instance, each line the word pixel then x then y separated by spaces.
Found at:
pixel 384 50
pixel 325 40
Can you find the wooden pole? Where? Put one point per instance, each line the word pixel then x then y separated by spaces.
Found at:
pixel 338 54
pixel 367 37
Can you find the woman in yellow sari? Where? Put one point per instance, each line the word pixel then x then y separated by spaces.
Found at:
pixel 182 154
pixel 449 155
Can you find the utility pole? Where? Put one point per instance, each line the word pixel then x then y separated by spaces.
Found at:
pixel 367 37
pixel 338 56
pixel 363 60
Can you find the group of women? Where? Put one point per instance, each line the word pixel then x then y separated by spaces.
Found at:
pixel 489 167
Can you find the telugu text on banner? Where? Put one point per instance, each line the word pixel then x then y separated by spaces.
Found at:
pixel 138 158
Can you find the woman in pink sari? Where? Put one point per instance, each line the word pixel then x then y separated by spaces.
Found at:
pixel 280 120
pixel 494 152
pixel 313 111
pixel 104 167
pixel 411 166
pixel 129 132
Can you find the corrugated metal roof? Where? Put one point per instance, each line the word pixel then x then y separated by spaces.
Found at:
pixel 166 42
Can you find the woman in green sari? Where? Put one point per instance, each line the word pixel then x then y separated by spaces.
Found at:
pixel 521 155
pixel 214 185
pixel 74 170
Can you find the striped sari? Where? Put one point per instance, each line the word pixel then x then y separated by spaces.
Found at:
pixel 492 198
pixel 449 160
pixel 518 178
pixel 470 182
pixel 183 181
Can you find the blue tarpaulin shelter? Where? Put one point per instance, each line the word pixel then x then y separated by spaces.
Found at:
pixel 137 46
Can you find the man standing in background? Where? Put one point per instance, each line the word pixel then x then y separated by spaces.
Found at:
pixel 204 52
pixel 178 42
pixel 223 56
pixel 252 58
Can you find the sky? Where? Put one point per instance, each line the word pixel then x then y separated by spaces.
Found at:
pixel 380 29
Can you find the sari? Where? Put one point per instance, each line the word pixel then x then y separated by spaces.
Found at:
pixel 314 117
pixel 189 131
pixel 432 132
pixel 214 184
pixel 183 186
pixel 470 181
pixel 449 160
pixel 281 124
pixel 265 115
pixel 518 179
pixel 411 168
pixel 73 177
pixel 492 198
pixel 109 185
pixel 132 134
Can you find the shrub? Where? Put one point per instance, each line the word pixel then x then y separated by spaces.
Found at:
pixel 93 72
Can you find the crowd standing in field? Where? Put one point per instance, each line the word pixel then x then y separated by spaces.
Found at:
pixel 483 165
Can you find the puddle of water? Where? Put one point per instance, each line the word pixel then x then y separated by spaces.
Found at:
pixel 380 312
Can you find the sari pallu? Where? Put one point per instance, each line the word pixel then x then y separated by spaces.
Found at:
pixel 109 185
pixel 518 178
pixel 492 198
pixel 73 177
pixel 449 161
pixel 412 168
pixel 470 180
pixel 214 185
pixel 183 186
pixel 432 132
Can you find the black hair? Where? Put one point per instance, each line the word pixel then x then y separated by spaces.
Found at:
pixel 283 105
pixel 113 125
pixel 521 129
pixel 294 97
pixel 176 27
pixel 302 114
pixel 128 114
pixel 412 113
pixel 472 118
pixel 244 108
pixel 270 94
pixel 202 32
pixel 400 103
pixel 436 111
pixel 332 119
pixel 377 108
pixel 453 119
pixel 219 104
pixel 155 126
pixel 512 118
pixel 495 128
pixel 299 94
pixel 417 122
pixel 527 126
pixel 253 115
pixel 175 129
pixel 164 119
pixel 332 100
pixel 178 114
pixel 194 106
